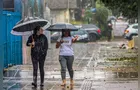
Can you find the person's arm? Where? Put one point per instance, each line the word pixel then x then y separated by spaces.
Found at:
pixel 29 41
pixel 45 44
pixel 59 42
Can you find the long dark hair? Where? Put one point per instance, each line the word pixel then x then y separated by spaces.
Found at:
pixel 63 33
pixel 36 29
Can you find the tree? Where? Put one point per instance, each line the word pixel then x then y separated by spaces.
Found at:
pixel 78 14
pixel 101 15
pixel 128 8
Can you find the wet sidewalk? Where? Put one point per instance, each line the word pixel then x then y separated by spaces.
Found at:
pixel 98 66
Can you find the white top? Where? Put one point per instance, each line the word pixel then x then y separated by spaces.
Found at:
pixel 66 47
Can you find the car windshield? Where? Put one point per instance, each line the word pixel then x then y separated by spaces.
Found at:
pixel 135 26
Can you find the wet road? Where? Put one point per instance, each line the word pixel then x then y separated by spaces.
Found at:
pixel 98 66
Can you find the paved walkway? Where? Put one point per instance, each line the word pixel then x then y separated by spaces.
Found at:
pixel 98 66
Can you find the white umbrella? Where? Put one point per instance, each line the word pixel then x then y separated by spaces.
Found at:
pixel 26 26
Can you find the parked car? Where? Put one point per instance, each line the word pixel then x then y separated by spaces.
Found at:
pixel 55 36
pixel 130 31
pixel 83 35
pixel 94 32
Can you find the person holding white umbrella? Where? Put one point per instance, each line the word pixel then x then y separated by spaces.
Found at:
pixel 39 46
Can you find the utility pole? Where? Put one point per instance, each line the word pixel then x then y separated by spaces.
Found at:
pixel 68 11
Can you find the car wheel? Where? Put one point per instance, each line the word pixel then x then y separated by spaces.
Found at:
pixel 92 37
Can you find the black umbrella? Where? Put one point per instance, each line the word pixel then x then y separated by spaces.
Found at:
pixel 25 26
pixel 62 26
pixel 111 18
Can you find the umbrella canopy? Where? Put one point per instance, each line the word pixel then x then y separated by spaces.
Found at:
pixel 111 18
pixel 62 26
pixel 26 26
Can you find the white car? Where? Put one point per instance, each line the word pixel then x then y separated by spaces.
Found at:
pixel 131 30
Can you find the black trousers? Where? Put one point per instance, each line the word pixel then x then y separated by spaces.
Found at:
pixel 109 35
pixel 38 60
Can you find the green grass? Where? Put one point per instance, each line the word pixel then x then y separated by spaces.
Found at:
pixel 129 59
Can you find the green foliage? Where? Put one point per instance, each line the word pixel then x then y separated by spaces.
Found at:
pixel 88 16
pixel 128 8
pixel 101 15
pixel 133 59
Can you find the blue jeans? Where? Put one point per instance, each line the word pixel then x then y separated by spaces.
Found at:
pixel 66 61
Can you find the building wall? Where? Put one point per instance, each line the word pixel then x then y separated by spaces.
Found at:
pixel 59 16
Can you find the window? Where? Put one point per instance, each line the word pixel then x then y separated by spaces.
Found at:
pixel 135 27
pixel 82 32
pixel 8 5
pixel 79 32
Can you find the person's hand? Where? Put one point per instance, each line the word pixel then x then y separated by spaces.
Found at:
pixel 33 44
pixel 76 37
pixel 61 41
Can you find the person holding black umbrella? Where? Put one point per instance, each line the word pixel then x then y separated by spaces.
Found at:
pixel 109 30
pixel 39 46
pixel 66 55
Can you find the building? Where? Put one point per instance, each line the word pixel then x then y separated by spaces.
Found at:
pixel 62 10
